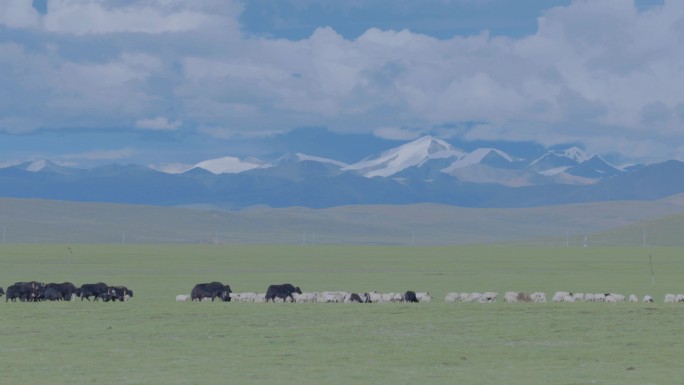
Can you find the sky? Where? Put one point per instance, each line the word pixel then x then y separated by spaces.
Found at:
pixel 167 83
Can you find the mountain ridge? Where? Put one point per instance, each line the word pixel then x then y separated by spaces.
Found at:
pixel 426 170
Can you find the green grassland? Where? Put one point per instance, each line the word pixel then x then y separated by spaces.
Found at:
pixel 609 223
pixel 154 340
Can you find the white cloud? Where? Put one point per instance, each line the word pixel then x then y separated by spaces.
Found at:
pixel 9 163
pixel 81 17
pixel 396 133
pixel 18 124
pixel 116 154
pixel 231 133
pixel 160 123
pixel 18 14
pixel 171 168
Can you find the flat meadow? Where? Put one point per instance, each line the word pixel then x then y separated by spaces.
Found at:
pixel 154 340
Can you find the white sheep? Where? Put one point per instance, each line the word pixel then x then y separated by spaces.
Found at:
pixel 538 296
pixel 451 297
pixel 242 297
pixel 614 297
pixel 260 297
pixel 471 297
pixel 331 297
pixel 561 296
pixel 304 297
pixel 511 296
pixel 375 297
pixel 424 297
pixel 489 296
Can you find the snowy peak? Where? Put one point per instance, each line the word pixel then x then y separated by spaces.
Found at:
pixel 558 161
pixel 37 165
pixel 487 156
pixel 595 167
pixel 310 158
pixel 299 157
pixel 573 166
pixel 559 158
pixel 45 166
pixel 226 165
pixel 299 167
pixel 574 153
pixel 411 154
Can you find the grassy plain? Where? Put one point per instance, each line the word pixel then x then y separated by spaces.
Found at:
pixel 619 223
pixel 154 340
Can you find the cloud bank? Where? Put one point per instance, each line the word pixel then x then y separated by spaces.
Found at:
pixel 601 73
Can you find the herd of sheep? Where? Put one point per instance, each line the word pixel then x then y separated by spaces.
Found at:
pixel 453 297
pixel 560 296
pixel 326 297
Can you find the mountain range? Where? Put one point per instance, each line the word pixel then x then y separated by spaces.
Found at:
pixel 426 170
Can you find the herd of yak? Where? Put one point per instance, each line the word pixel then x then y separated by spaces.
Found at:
pixel 38 291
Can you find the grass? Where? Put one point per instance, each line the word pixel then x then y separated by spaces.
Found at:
pixel 154 340
pixel 606 223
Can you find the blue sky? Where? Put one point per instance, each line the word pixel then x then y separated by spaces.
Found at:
pixel 173 82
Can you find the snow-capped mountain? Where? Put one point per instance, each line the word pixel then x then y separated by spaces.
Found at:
pixel 489 165
pixel 412 154
pixel 573 166
pixel 227 165
pixel 299 157
pixel 45 166
pixel 299 167
pixel 557 161
pixel 424 170
pixel 37 165
pixel 487 156
pixel 595 167
pixel 427 158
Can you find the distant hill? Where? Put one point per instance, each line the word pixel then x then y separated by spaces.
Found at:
pixel 617 222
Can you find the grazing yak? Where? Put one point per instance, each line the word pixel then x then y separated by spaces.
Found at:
pixel 96 290
pixel 282 291
pixel 52 294
pixel 211 291
pixel 122 293
pixel 26 292
pixel 346 297
pixel 60 291
pixel 410 296
pixel 354 298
